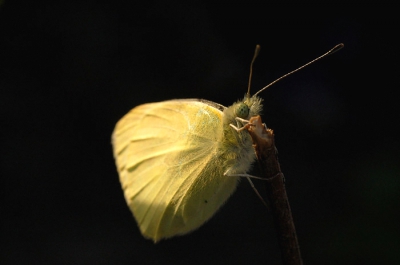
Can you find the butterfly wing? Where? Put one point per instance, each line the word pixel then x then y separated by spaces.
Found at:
pixel 171 166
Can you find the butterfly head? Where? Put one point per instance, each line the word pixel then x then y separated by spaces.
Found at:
pixel 242 110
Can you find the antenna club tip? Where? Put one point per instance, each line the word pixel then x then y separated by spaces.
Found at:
pixel 337 47
pixel 257 51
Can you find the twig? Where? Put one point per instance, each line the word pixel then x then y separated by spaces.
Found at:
pixel 266 152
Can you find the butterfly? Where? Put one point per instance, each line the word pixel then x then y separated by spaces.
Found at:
pixel 179 160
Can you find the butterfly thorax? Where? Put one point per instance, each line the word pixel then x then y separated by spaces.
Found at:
pixel 237 147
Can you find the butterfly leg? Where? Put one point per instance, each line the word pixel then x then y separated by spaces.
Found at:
pixel 248 177
pixel 243 121
pixel 246 123
pixel 243 175
pixel 256 191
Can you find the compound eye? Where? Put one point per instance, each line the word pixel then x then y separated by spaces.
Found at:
pixel 242 110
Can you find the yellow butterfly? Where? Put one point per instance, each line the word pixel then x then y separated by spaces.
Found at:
pixel 177 160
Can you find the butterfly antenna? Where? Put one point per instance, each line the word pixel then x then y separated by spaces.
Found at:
pixel 256 52
pixel 331 51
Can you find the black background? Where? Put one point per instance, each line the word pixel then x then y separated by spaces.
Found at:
pixel 69 71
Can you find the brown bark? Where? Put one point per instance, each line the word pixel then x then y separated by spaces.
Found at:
pixel 266 152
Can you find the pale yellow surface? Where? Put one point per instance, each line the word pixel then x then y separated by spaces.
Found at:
pixel 171 157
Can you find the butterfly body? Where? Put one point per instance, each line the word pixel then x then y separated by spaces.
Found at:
pixel 177 159
pixel 174 159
